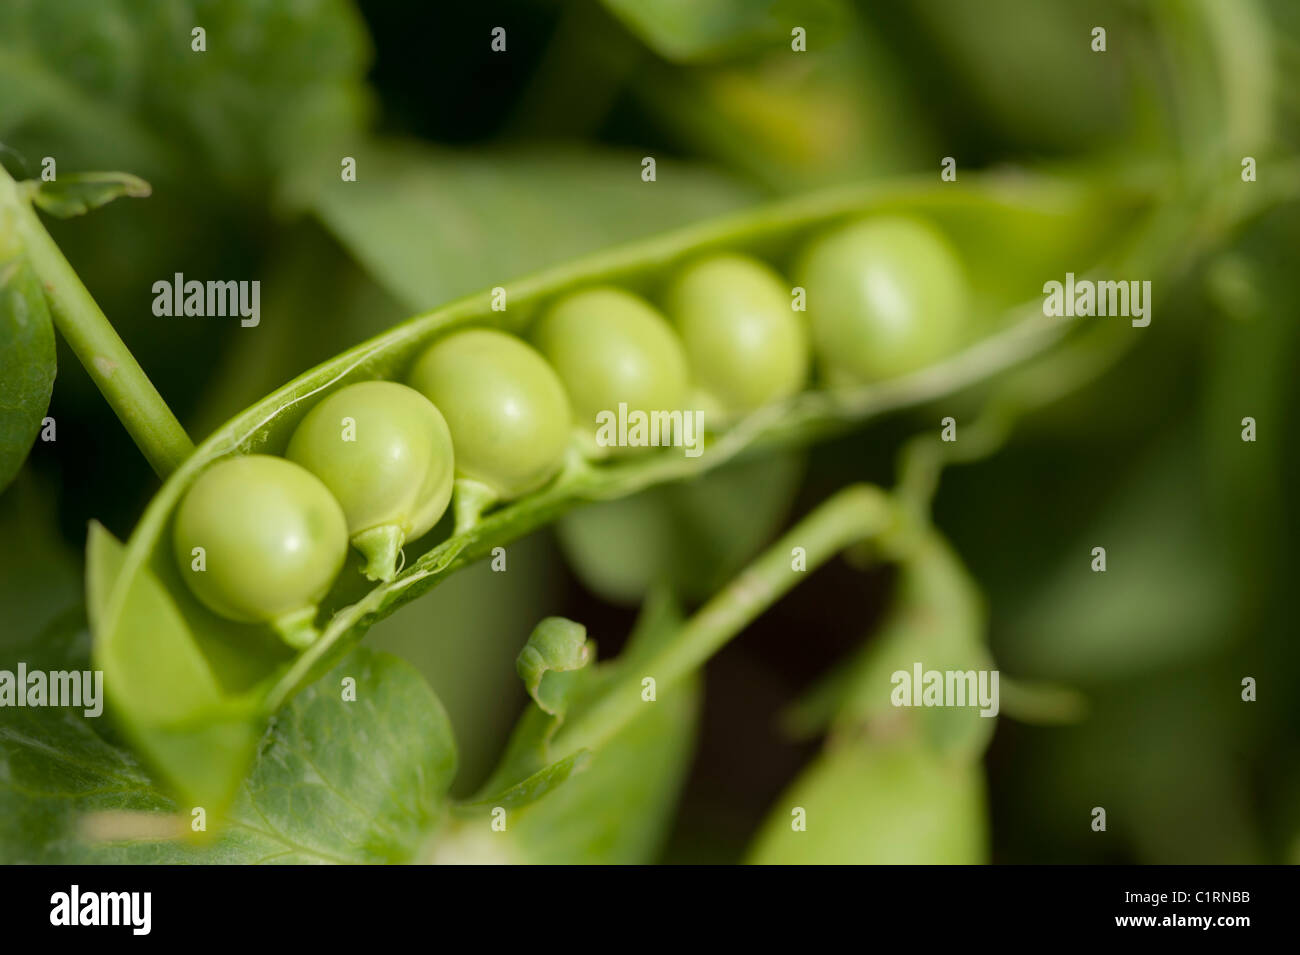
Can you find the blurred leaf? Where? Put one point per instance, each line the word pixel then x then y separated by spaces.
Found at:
pixel 1165 757
pixel 1162 601
pixel 1251 349
pixel 316 302
pixel 26 361
pixel 1029 70
pixel 115 84
pixel 98 83
pixel 75 194
pixel 431 225
pixel 40 575
pixel 335 781
pixel 879 802
pixel 694 535
pixel 702 29
pixel 836 113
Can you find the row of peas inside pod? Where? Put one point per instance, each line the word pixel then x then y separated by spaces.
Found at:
pixel 261 539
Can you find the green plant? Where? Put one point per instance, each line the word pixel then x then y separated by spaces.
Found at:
pixel 211 713
pixel 261 539
pixel 610 348
pixel 886 296
pixel 385 453
pixel 745 343
pixel 478 377
pixel 198 684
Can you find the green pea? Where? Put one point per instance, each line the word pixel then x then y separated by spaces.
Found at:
pixel 385 453
pixel 885 296
pixel 505 407
pixel 273 539
pixel 610 348
pixel 745 344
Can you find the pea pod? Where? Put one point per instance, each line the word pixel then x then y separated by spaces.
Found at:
pixel 1044 225
pixel 892 784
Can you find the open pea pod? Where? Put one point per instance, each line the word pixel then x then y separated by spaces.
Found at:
pixel 224 679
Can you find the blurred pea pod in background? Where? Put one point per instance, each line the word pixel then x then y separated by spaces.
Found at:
pixel 896 785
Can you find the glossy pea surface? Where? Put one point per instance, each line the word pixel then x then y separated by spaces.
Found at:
pixel 745 344
pixel 611 347
pixel 385 453
pixel 273 537
pixel 505 407
pixel 886 296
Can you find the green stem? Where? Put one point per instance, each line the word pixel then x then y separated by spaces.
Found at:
pixel 381 546
pixel 469 500
pixel 852 515
pixel 97 346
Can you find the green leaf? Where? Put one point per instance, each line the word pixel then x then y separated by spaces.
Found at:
pixel 362 779
pixel 685 30
pixel 432 224
pixel 879 802
pixel 75 194
pixel 26 360
pixel 335 780
pixel 117 83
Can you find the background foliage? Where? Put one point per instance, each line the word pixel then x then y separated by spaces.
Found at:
pixel 477 167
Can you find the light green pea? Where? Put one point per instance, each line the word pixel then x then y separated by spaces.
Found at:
pixel 610 347
pixel 385 453
pixel 886 296
pixel 272 540
pixel 505 407
pixel 745 343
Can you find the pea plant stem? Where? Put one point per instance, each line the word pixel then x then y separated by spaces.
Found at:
pixel 851 516
pixel 98 347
